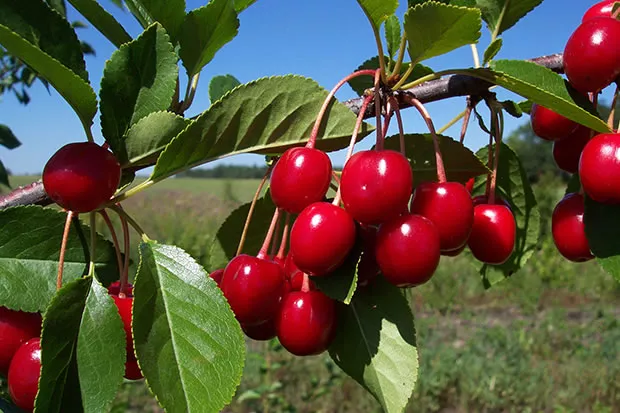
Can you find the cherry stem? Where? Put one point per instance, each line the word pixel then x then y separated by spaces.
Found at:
pixel 612 112
pixel 615 14
pixel 317 124
pixel 117 247
pixel 262 254
pixel 244 233
pixel 63 249
pixel 489 165
pixel 401 129
pixel 275 242
pixel 466 118
pixel 305 284
pixel 441 170
pixel 498 144
pixel 124 281
pixel 335 177
pixel 282 250
pixel 387 117
pixel 379 143
pixel 92 216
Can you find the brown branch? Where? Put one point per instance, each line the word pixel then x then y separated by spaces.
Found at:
pixel 452 86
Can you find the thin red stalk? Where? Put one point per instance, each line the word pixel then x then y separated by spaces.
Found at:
pixel 262 254
pixel 387 118
pixel 244 233
pixel 305 284
pixel 317 124
pixel 380 136
pixel 401 129
pixel 124 279
pixel 498 144
pixel 489 165
pixel 441 170
pixel 282 250
pixel 275 242
pixel 335 177
pixel 468 111
pixel 117 247
pixel 63 249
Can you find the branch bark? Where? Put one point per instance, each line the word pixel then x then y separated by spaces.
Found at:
pixel 448 87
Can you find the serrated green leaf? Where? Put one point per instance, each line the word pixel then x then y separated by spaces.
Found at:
pixel 59 386
pixel 392 35
pixel 224 245
pixel 205 31
pixel 434 29
pixel 341 283
pixel 59 6
pixel 189 344
pixel 361 83
pixel 30 239
pixel 492 50
pixel 139 79
pixel 7 138
pixel 542 86
pixel 169 13
pixel 515 10
pixel 241 5
pixel 4 176
pixel 460 162
pixel 513 186
pixel 102 20
pixel 220 85
pixel 376 344
pixel 466 3
pixel 139 12
pixel 100 350
pixel 526 106
pixel 145 140
pixel 602 223
pixel 378 11
pixel 266 116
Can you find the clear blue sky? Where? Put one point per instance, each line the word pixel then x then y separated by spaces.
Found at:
pixel 321 39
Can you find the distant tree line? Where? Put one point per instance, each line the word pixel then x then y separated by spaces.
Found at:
pixel 226 172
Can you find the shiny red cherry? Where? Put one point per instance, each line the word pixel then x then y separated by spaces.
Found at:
pixel 307 322
pixel 407 250
pixel 493 235
pixel 376 185
pixel 592 56
pixel 568 229
pixel 321 238
pixel 469 185
pixel 300 177
pixel 254 288
pixel 599 168
pixel 124 305
pixel 261 332
pixel 217 275
pixel 566 152
pixel 132 370
pixel 449 206
pixel 24 374
pixel 600 9
pixel 81 176
pixel 549 125
pixel 16 327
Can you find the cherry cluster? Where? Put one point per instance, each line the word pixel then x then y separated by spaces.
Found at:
pixel 591 63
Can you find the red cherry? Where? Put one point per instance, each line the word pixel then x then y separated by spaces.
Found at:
pixel 300 177
pixel 599 168
pixel 217 275
pixel 261 332
pixel 407 250
pixel 600 9
pixel 307 322
pixel 294 275
pixel 254 288
pixel 124 306
pixel 376 185
pixel 81 176
pixel 566 152
pixel 321 237
pixel 591 55
pixel 449 206
pixel 24 374
pixel 549 125
pixel 469 185
pixel 568 229
pixel 132 370
pixel 16 327
pixel 493 234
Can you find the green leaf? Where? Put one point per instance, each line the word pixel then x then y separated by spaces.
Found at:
pixel 513 186
pixel 45 29
pixel 59 6
pixel 341 283
pixel 434 29
pixel 169 13
pixel 145 140
pixel 378 11
pixel 602 222
pixel 224 245
pixel 189 344
pixel 526 106
pixel 59 386
pixel 515 10
pixel 392 35
pixel 7 406
pixel 492 50
pixel 30 239
pixel 266 116
pixel 139 12
pixel 241 5
pixel 4 176
pixel 100 350
pixel 102 20
pixel 139 79
pixel 220 85
pixel 361 83
pixel 544 87
pixel 459 161
pixel 376 344
pixel 466 3
pixel 7 139
pixel 205 31
pixel 512 108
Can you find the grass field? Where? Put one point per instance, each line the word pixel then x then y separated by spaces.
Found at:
pixel 546 340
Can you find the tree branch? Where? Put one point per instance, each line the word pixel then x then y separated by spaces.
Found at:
pixel 452 86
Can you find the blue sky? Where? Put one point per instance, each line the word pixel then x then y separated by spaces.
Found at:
pixel 321 39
